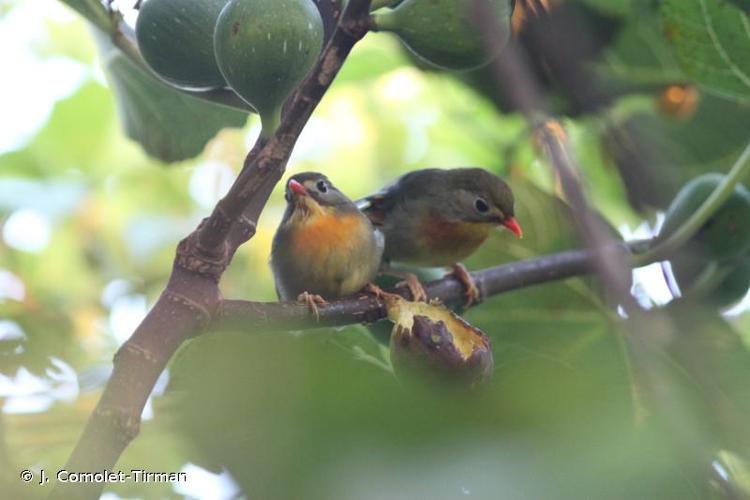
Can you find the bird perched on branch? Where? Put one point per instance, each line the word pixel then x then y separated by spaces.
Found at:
pixel 324 247
pixel 434 217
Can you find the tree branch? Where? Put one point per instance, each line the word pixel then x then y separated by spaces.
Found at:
pixel 282 316
pixel 192 296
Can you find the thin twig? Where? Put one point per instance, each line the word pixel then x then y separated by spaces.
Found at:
pixel 516 78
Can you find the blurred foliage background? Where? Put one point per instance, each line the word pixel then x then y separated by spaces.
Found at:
pixel 586 401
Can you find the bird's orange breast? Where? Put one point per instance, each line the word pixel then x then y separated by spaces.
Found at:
pixel 323 232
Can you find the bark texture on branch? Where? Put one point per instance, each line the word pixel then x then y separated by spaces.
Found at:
pixel 281 316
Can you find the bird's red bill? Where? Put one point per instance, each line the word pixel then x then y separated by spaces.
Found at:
pixel 297 188
pixel 512 224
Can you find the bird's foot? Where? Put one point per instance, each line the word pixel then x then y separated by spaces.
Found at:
pixel 312 301
pixel 418 293
pixel 379 293
pixel 473 294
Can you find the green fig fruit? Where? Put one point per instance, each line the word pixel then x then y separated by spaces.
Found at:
pixel 265 48
pixel 428 339
pixel 733 287
pixel 717 285
pixel 726 235
pixel 175 38
pixel 442 32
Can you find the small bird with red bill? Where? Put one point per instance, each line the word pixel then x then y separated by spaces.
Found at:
pixel 324 247
pixel 435 218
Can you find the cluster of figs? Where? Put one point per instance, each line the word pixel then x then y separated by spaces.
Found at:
pixel 262 49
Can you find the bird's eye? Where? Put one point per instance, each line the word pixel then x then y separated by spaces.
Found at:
pixel 322 186
pixel 481 205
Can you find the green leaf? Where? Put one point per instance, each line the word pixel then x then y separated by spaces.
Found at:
pixel 640 54
pixel 267 407
pixel 711 39
pixel 712 359
pixel 168 124
pixel 656 153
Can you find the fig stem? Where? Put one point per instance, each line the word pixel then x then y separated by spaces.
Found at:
pixel 662 248
pixel 269 122
pixel 379 4
pixel 383 21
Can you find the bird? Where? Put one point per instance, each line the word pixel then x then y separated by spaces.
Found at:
pixel 436 218
pixel 324 247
